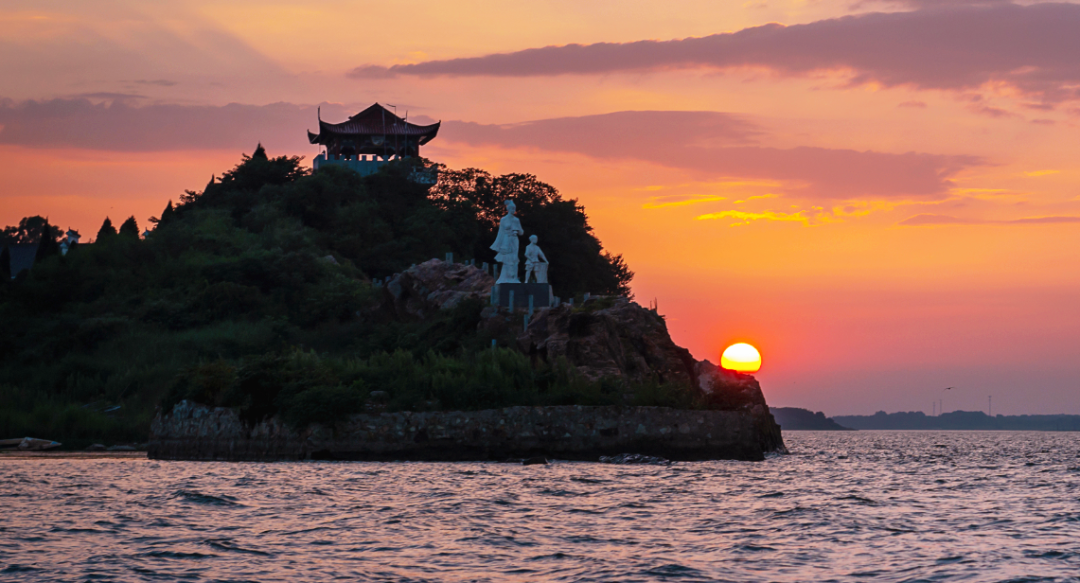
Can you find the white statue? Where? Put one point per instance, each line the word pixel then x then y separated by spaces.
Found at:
pixel 535 261
pixel 506 245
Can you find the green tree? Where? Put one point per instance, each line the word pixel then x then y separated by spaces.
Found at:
pixel 5 264
pixel 260 153
pixel 48 241
pixel 129 229
pixel 29 230
pixel 106 232
pixel 166 215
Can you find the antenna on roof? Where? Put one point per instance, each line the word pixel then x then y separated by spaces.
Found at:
pixel 318 112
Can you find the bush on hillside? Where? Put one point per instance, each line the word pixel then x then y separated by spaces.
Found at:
pixel 254 292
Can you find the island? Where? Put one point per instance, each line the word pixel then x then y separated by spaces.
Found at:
pixel 353 312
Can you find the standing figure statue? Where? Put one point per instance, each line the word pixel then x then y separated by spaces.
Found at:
pixel 506 245
pixel 535 261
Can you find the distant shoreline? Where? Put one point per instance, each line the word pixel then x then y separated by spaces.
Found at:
pixel 72 455
pixel 848 430
pixel 960 421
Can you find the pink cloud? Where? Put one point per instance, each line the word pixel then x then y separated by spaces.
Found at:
pixel 954 47
pixel 926 220
pixel 705 144
pixel 712 145
pixel 119 125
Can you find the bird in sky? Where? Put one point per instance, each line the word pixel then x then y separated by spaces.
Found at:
pixel 948 388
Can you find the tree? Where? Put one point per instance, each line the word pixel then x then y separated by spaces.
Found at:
pixel 106 232
pixel 260 153
pixel 129 229
pixel 30 230
pixel 166 215
pixel 5 264
pixel 48 241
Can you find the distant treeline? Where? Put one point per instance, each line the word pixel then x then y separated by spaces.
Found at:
pixel 960 420
pixel 796 419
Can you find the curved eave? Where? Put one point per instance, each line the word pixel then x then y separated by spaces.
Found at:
pixel 430 136
pixel 423 134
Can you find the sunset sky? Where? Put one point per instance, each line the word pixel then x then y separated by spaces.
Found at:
pixel 883 197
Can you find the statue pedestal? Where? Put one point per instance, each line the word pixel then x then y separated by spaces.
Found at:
pixel 540 292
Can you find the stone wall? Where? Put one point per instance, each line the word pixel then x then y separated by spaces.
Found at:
pixel 195 432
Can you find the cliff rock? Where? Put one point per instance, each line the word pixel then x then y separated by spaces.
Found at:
pixel 434 285
pixel 617 338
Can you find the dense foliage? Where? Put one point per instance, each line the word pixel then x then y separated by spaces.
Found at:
pixel 255 292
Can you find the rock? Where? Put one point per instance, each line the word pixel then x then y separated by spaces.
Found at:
pixel 609 337
pixel 96 447
pixel 435 285
pixel 535 461
pixel 728 389
pixel 634 458
pixel 34 444
pixel 195 432
pixel 614 337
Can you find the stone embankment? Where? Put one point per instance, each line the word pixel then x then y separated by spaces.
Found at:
pixel 196 432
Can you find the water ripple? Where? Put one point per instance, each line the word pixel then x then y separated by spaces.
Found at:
pixel 846 507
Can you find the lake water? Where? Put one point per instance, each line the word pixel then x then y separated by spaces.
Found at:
pixel 852 506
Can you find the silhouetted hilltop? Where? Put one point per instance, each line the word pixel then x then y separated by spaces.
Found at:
pixel 278 292
pixel 959 420
pixel 796 419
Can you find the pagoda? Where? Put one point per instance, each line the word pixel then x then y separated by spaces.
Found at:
pixel 370 139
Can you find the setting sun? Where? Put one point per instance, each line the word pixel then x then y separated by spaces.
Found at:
pixel 741 357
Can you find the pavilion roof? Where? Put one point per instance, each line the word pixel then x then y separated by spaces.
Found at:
pixel 374 121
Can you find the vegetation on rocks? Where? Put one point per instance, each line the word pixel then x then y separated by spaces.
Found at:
pixel 257 292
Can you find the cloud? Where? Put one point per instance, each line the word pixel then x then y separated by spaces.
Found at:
pixel 707 145
pixel 926 220
pixel 111 96
pixel 677 200
pixel 158 82
pixel 958 47
pixel 717 145
pixel 746 217
pixel 116 124
pixel 118 45
pixel 913 103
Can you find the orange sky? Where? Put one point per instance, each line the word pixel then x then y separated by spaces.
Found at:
pixel 884 197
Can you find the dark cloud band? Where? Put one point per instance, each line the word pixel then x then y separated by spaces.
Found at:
pixel 705 145
pixel 957 47
pixel 712 145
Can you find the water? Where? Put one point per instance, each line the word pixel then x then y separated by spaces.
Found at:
pixel 859 506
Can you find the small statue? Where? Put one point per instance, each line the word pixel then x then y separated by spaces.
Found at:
pixel 535 261
pixel 506 245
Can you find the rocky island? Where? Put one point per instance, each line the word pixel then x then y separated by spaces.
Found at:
pixel 284 312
